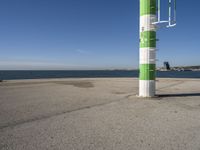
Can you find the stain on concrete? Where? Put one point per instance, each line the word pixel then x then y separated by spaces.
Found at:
pixel 80 84
pixel 118 92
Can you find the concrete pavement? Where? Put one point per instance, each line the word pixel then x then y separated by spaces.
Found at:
pixel 98 114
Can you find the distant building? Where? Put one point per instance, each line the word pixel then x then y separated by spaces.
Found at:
pixel 166 65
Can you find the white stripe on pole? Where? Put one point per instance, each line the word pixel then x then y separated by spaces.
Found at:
pixel 147 88
pixel 146 23
pixel 147 55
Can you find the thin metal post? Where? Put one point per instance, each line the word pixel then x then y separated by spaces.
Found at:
pixel 159 10
pixel 174 11
pixel 170 12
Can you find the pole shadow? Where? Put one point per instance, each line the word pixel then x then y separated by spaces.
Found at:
pixel 179 95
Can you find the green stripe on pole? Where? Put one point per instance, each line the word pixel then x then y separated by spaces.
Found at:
pixel 147 71
pixel 148 39
pixel 148 10
pixel 147 7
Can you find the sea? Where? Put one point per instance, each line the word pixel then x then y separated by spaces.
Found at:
pixel 46 74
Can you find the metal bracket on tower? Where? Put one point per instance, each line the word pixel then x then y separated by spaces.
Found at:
pixel 171 20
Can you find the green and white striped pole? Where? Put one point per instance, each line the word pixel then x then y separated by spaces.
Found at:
pixel 147 48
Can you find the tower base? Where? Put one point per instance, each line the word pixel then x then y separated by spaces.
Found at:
pixel 147 88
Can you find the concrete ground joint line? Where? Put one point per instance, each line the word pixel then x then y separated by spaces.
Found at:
pixel 18 123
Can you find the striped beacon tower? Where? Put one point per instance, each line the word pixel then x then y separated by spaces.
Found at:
pixel 149 21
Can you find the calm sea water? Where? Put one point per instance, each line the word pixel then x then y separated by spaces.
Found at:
pixel 11 75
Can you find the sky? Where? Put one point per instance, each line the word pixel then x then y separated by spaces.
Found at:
pixel 90 34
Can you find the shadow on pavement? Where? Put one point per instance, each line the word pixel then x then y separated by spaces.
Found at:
pixel 179 95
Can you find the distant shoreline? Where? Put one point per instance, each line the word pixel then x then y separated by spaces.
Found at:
pixel 46 74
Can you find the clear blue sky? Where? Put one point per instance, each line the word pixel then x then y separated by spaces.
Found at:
pixel 89 34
